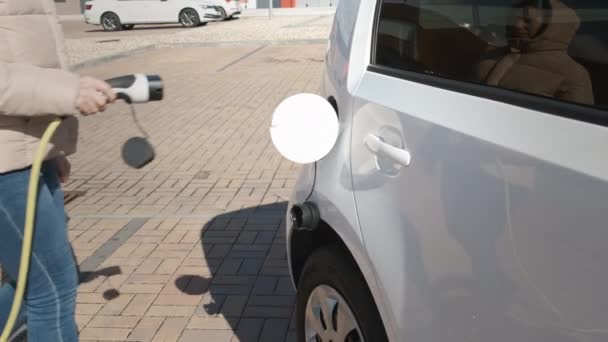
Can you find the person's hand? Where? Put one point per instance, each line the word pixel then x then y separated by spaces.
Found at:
pixel 94 96
pixel 63 168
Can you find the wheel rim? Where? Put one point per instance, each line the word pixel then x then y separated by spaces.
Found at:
pixel 110 22
pixel 188 18
pixel 329 318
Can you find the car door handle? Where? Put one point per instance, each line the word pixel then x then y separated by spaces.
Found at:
pixel 379 147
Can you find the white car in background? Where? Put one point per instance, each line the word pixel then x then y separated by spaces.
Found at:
pixel 227 8
pixel 115 15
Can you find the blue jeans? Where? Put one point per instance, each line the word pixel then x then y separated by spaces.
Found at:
pixel 50 297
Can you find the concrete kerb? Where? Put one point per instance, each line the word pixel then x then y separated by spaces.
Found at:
pixel 112 57
pixel 128 53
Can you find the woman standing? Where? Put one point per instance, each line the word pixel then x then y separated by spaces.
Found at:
pixel 35 88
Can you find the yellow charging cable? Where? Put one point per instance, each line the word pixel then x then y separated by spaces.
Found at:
pixel 28 232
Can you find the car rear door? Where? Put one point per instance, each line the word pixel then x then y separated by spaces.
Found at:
pixel 483 201
pixel 165 11
pixel 144 11
pixel 133 11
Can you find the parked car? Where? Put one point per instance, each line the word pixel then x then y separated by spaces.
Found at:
pixel 115 15
pixel 466 195
pixel 227 9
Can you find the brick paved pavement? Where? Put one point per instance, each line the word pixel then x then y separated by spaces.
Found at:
pixel 192 247
pixel 84 44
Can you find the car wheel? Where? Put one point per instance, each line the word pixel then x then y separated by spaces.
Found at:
pixel 334 302
pixel 189 18
pixel 110 22
pixel 128 27
pixel 222 13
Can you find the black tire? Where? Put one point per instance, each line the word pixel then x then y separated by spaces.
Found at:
pixel 188 17
pixel 111 22
pixel 222 13
pixel 333 267
pixel 128 27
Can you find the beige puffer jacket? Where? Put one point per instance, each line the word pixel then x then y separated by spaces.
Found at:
pixel 543 66
pixel 34 85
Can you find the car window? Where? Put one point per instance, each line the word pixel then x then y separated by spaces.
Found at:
pixel 551 48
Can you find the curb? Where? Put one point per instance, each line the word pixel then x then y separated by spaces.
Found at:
pixel 110 58
pixel 113 57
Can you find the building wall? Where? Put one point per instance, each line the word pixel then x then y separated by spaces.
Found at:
pixel 65 7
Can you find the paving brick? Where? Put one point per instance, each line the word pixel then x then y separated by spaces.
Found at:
pixel 265 237
pixel 116 306
pixel 105 334
pixel 265 285
pixel 130 261
pixel 113 283
pixel 210 305
pixel 234 280
pixel 170 311
pixel 280 301
pixel 190 237
pixel 218 251
pixel 274 330
pixel 169 254
pixel 197 285
pixel 113 322
pixel 174 236
pixel 168 266
pixel 230 289
pixel 251 267
pixel 267 312
pixel 249 329
pixel 212 323
pixel 175 247
pixel 145 329
pixel 148 266
pixel 285 286
pixel 275 271
pixel 168 299
pixel 87 309
pixel 139 305
pixel 194 270
pixel 234 306
pixel 230 267
pixel 125 250
pixel 171 329
pixel 143 250
pixel 141 288
pixel 83 320
pixel 148 279
pixel 90 298
pixel 146 239
pixel 277 251
pixel 206 335
pixel 247 237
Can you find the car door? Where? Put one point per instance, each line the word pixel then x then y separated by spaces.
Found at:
pixel 139 11
pixel 480 167
pixel 165 11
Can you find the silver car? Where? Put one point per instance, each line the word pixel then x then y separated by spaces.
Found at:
pixel 466 195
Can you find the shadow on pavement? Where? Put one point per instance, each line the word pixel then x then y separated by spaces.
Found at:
pixel 139 28
pixel 248 281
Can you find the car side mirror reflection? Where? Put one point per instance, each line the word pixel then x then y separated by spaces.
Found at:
pixel 304 128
